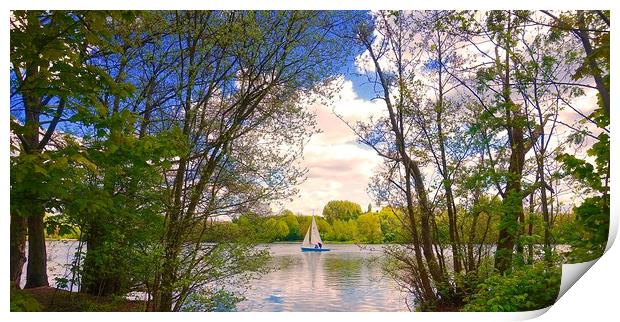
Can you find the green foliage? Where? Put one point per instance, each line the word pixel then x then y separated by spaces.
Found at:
pixel 23 302
pixel 592 177
pixel 276 229
pixel 591 226
pixel 369 228
pixel 391 226
pixel 344 231
pixel 384 226
pixel 120 210
pixel 52 47
pixel 528 287
pixel 294 230
pixel 591 229
pixel 229 264
pixel 324 226
pixel 101 74
pixel 342 210
pixel 587 20
pixel 60 227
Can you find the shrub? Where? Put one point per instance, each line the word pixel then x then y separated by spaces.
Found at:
pixel 526 288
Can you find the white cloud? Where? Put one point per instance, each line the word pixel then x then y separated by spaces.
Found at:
pixel 338 167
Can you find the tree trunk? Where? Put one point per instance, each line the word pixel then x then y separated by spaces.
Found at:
pixel 530 228
pixel 412 172
pixel 452 226
pixel 472 233
pixel 545 208
pixel 513 198
pixel 425 216
pixel 100 277
pixel 36 275
pixel 520 248
pixel 18 248
pixel 426 284
pixel 173 240
pixel 595 70
pixel 512 203
pixel 168 278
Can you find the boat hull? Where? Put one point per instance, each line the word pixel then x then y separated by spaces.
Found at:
pixel 312 249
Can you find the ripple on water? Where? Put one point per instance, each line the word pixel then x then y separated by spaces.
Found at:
pixel 345 279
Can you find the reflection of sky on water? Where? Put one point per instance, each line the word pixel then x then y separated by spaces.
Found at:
pixel 345 279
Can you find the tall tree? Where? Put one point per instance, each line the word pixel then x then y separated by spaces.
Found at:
pixel 389 136
pixel 237 81
pixel 49 80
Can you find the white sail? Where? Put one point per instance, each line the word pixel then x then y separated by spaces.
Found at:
pixel 312 235
pixel 306 242
pixel 315 237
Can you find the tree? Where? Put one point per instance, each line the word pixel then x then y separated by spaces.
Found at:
pixel 591 28
pixel 391 64
pixel 243 74
pixel 293 226
pixel 505 115
pixel 369 228
pixel 341 210
pixel 472 102
pixel 391 225
pixel 438 118
pixel 340 231
pixel 50 78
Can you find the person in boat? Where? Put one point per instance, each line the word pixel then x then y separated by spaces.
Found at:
pixel 320 245
pixel 316 246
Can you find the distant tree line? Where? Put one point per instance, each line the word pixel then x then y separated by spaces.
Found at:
pixel 348 224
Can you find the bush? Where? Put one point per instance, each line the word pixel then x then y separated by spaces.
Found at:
pixel 526 288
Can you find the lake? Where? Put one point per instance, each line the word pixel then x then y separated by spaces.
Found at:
pixel 348 278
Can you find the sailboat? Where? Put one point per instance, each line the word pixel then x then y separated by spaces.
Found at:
pixel 312 240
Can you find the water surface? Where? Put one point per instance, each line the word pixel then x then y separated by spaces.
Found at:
pixel 347 278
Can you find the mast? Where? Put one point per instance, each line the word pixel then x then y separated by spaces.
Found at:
pixel 311 225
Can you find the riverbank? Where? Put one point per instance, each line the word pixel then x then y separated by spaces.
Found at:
pixel 49 299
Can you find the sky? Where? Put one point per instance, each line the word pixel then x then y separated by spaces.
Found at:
pixel 339 168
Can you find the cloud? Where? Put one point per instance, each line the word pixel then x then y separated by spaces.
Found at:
pixel 338 167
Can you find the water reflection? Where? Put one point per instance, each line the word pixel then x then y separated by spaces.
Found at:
pixel 345 279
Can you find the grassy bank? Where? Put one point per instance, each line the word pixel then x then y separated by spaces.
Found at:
pixel 49 299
